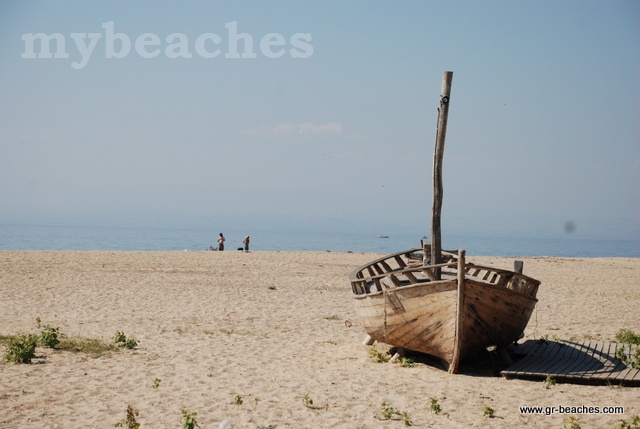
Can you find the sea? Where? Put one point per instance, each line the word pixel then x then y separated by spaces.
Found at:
pixel 58 237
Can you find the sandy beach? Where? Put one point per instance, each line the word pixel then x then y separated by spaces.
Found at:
pixel 267 329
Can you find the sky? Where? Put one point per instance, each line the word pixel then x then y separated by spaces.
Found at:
pixel 294 114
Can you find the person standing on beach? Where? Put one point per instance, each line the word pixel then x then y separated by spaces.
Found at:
pixel 246 243
pixel 221 242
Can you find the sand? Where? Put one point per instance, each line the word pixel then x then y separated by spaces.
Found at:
pixel 270 328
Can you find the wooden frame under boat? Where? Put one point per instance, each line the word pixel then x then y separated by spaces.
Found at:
pixel 450 310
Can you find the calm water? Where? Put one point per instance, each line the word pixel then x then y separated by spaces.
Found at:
pixel 21 237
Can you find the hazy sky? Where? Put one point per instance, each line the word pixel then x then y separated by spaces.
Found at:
pixel 296 112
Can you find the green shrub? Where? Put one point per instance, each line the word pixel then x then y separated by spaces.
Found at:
pixel 307 401
pixel 189 420
pixel 378 357
pixel 405 362
pixel 571 422
pixel 628 337
pixel 123 342
pixel 49 337
pixel 488 412
pixel 549 382
pixel 632 360
pixel 387 412
pixel 633 424
pixel 435 405
pixel 129 421
pixel 21 348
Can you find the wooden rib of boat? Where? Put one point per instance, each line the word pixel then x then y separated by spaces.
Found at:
pixel 402 301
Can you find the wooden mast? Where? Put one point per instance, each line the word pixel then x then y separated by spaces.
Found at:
pixel 443 113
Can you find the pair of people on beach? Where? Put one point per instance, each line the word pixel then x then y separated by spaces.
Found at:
pixel 245 242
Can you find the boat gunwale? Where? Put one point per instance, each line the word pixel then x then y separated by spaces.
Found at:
pixel 408 269
pixel 353 273
pixel 452 263
pixel 440 283
pixel 411 286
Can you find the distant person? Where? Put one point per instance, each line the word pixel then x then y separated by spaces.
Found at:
pixel 246 243
pixel 221 242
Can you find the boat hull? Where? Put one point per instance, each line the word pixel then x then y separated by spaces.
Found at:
pixel 418 318
pixel 404 304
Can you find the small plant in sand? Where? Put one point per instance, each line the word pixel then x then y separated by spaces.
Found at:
pixel 268 427
pixel 571 422
pixel 488 412
pixel 189 420
pixel 156 383
pixel 435 405
pixel 549 382
pixel 633 424
pixel 21 348
pixel 129 421
pixel 632 360
pixel 119 337
pixel 308 402
pixel 91 346
pixel 238 400
pixel 405 362
pixel 628 337
pixel 272 287
pixel 378 357
pixel 123 342
pixel 49 337
pixel 388 412
pixel 406 419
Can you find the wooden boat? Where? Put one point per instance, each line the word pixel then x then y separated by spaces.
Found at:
pixel 450 310
pixel 446 308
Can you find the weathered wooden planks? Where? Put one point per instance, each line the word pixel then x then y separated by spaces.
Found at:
pixel 473 306
pixel 587 362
